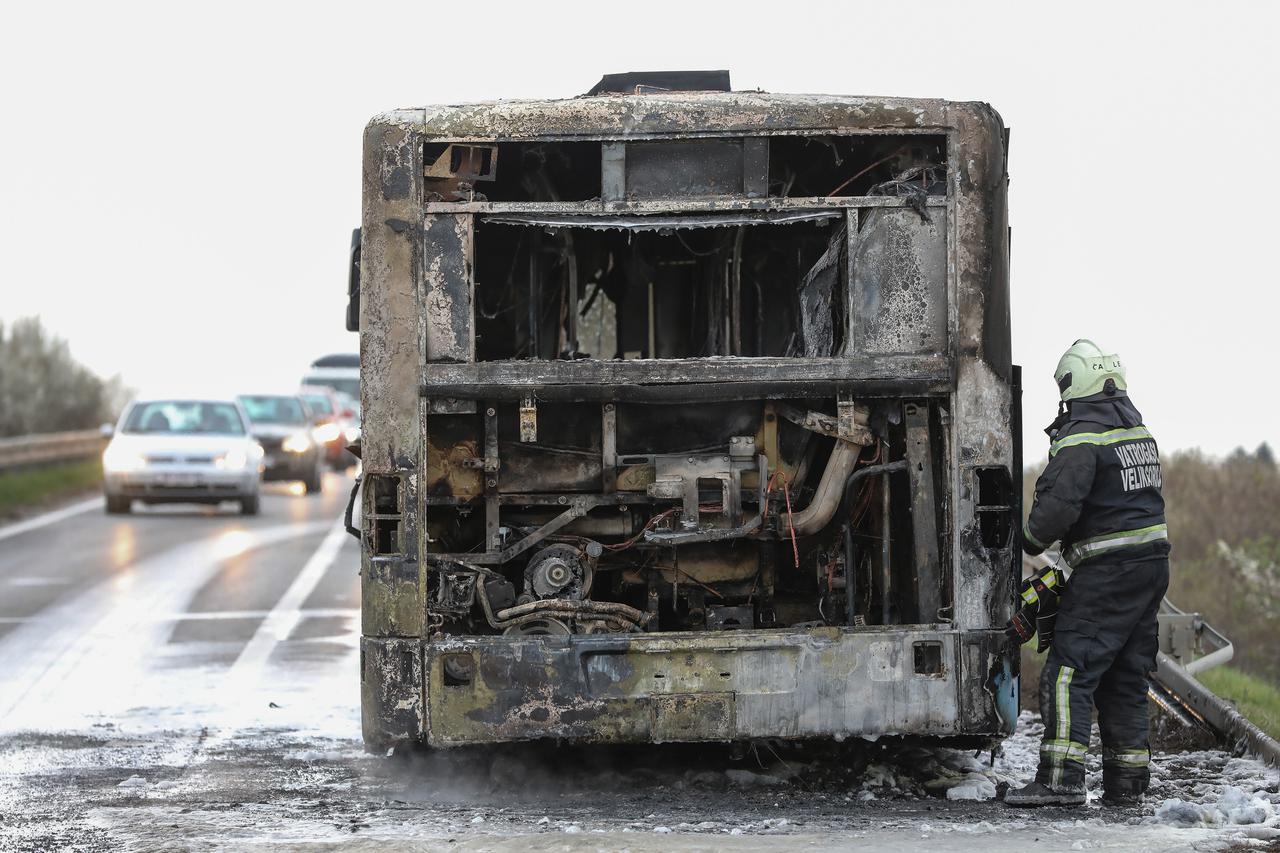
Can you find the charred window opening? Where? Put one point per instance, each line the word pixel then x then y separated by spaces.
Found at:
pixel 670 292
pixel 686 168
pixel 836 166
pixel 511 171
pixel 384 513
pixel 995 506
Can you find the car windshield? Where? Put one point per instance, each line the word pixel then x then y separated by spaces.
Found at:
pixel 185 417
pixel 319 404
pixel 275 410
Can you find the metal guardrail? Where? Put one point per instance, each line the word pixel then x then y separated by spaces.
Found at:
pixel 32 451
pixel 1190 645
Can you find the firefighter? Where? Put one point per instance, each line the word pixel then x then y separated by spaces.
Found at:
pixel 1100 497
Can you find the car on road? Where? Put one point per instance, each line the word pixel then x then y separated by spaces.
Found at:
pixel 182 451
pixel 282 425
pixel 330 423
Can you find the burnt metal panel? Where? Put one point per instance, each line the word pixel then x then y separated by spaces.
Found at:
pixel 391 695
pixel 391 363
pixel 448 290
pixel 924 513
pixel 900 283
pixel 817 290
pixel 702 113
pixel 658 222
pixel 504 376
pixel 685 168
pixel 825 682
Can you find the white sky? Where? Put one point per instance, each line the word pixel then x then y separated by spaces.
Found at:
pixel 178 182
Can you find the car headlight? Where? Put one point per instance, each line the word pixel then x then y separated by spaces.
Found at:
pixel 232 460
pixel 326 433
pixel 122 460
pixel 297 443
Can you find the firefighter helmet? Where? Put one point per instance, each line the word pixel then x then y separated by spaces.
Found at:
pixel 1086 369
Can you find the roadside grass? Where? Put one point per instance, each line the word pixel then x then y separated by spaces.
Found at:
pixel 22 490
pixel 1253 697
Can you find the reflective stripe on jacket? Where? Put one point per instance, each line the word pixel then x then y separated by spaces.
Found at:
pixel 1100 496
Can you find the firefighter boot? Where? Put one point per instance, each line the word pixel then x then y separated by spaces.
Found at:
pixel 1043 794
pixel 1124 785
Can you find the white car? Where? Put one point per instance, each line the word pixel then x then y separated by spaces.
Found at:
pixel 182 451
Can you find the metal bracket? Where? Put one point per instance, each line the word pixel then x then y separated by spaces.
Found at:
pixel 609 448
pixel 846 415
pixel 528 419
pixel 720 534
pixel 491 512
pixel 850 425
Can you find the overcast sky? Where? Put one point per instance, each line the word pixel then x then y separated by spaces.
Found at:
pixel 178 182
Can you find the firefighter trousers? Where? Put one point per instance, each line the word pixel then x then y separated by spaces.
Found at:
pixel 1104 646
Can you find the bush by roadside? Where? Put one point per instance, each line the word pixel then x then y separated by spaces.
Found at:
pixel 43 389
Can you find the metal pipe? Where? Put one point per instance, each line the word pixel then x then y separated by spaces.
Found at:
pixel 563 605
pixel 871 471
pixel 884 551
pixel 735 294
pixel 826 498
pixel 1209 661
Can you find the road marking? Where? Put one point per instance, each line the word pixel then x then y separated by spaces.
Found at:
pixel 309 613
pixel 100 642
pixel 243 691
pixel 280 622
pixel 48 518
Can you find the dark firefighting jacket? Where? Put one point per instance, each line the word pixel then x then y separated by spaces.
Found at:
pixel 1100 493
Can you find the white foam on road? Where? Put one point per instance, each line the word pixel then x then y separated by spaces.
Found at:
pixel 10 530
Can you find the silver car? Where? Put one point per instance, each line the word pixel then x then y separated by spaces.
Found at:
pixel 182 451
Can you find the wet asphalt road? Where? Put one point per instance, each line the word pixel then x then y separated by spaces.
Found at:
pixel 187 679
pixel 101 603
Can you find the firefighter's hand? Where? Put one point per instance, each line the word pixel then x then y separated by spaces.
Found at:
pixel 1022 627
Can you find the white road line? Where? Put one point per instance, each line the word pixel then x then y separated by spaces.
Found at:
pixel 91 652
pixel 48 518
pixel 203 615
pixel 280 622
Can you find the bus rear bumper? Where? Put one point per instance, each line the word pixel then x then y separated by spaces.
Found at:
pixel 708 686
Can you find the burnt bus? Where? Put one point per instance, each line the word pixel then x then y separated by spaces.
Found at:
pixel 689 415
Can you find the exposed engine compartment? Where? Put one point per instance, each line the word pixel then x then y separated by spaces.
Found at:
pixel 678 503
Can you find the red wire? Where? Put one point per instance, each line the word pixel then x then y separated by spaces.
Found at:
pixel 795 549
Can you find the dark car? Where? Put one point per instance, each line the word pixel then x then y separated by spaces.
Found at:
pixel 282 424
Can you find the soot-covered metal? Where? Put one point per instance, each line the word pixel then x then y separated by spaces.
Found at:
pixel 676 405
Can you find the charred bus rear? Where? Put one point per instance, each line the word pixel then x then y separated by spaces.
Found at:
pixel 688 415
